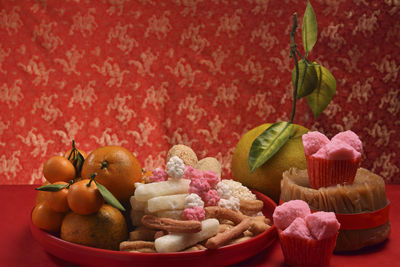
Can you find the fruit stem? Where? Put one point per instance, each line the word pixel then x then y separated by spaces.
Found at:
pixel 73 150
pixel 92 177
pixel 70 182
pixel 293 54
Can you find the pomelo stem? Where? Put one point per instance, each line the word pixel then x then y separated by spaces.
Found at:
pixel 293 50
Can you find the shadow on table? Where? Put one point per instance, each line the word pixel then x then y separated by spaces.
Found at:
pixel 271 256
pixel 367 250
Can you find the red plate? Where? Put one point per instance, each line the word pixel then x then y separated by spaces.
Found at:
pixel 227 255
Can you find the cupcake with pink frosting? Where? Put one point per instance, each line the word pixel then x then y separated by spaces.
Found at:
pixel 307 239
pixel 332 162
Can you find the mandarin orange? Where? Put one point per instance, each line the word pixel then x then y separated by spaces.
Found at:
pixel 84 198
pixel 57 201
pixel 57 169
pixel 116 168
pixel 104 229
pixel 47 219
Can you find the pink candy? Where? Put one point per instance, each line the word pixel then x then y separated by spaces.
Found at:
pixel 298 228
pixel 199 186
pixel 337 150
pixel 350 138
pixel 286 213
pixel 158 175
pixel 322 224
pixel 192 173
pixel 211 177
pixel 202 183
pixel 210 198
pixel 313 141
pixel 343 146
pixel 195 213
pixel 295 219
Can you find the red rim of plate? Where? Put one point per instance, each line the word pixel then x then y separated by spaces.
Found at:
pixel 54 245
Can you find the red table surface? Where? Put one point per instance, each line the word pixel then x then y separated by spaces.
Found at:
pixel 19 248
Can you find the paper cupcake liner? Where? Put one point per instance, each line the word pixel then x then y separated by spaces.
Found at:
pixel 299 252
pixel 324 173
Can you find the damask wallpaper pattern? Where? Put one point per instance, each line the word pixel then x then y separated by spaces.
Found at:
pixel 148 74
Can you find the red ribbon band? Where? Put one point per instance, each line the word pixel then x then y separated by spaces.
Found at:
pixel 361 221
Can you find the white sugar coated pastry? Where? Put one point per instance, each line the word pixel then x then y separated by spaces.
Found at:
pixel 224 191
pixel 193 200
pixel 175 167
pixel 232 203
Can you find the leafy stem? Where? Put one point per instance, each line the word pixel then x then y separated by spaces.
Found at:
pixel 293 54
pixel 310 80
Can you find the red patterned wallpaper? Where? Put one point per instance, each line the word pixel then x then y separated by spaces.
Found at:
pixel 148 74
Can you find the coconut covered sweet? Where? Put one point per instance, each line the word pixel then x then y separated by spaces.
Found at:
pixel 185 153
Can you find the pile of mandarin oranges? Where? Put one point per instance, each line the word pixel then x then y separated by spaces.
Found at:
pixel 84 195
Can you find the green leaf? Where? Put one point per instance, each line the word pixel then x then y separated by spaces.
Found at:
pixel 108 197
pixel 322 95
pixel 268 143
pixel 79 162
pixel 308 79
pixel 309 29
pixel 52 187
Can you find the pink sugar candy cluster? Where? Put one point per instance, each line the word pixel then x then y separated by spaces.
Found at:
pixel 195 213
pixel 295 219
pixel 343 146
pixel 192 173
pixel 203 184
pixel 199 186
pixel 158 175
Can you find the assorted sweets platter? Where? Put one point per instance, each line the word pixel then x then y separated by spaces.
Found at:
pixel 183 213
pixel 226 255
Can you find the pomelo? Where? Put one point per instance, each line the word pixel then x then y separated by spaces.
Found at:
pixel 267 178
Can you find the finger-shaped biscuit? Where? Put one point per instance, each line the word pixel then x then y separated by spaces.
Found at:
pixel 142 233
pixel 224 227
pixel 223 238
pixel 135 245
pixel 171 225
pixel 252 206
pixel 224 213
pixel 239 240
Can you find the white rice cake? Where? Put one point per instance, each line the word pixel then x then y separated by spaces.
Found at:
pixel 171 202
pixel 179 241
pixel 171 187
